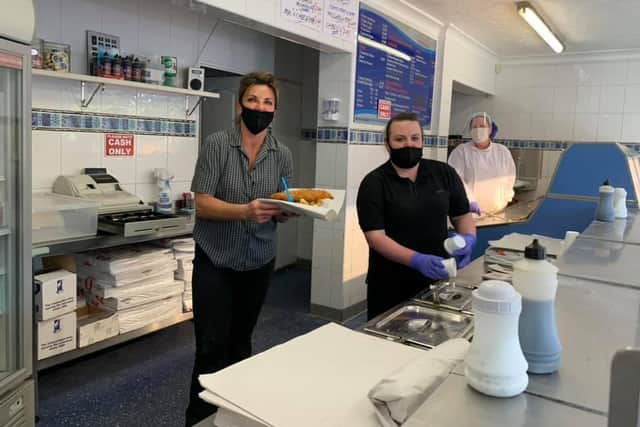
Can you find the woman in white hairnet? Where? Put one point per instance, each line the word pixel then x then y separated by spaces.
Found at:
pixel 487 169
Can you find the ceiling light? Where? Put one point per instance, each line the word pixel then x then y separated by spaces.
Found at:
pixel 383 47
pixel 531 16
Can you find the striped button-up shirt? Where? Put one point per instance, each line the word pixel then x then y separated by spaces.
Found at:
pixel 222 170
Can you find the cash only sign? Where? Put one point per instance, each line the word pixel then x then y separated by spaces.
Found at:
pixel 119 145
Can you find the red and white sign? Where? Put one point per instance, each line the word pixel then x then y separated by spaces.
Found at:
pixel 118 145
pixel 384 109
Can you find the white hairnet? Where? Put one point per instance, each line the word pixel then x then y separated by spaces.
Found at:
pixel 482 114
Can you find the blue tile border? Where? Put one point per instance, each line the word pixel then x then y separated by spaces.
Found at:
pixel 96 122
pixel 356 136
pixel 528 144
pixel 368 137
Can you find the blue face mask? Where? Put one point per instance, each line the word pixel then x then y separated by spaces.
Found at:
pixel 405 157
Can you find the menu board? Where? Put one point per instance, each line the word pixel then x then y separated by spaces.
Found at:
pixel 395 70
pixel 338 18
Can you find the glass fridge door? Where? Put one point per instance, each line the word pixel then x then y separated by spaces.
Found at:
pixel 15 310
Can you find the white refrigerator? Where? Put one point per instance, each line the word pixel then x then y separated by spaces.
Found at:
pixel 16 345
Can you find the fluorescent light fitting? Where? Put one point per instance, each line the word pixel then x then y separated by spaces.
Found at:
pixel 391 51
pixel 529 14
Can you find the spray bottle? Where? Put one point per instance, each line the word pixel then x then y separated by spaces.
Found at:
pixel 163 179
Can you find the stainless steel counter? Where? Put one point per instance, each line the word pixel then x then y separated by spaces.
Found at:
pixel 456 404
pixel 601 260
pixel 621 230
pixel 594 321
pixel 520 211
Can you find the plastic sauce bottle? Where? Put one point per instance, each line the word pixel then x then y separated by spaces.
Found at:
pixel 620 202
pixel 605 211
pixel 495 364
pixel 537 281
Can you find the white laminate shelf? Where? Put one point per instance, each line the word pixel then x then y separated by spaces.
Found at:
pixel 4 231
pixel 123 83
pixel 118 339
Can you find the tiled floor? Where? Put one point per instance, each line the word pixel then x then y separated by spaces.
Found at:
pixel 145 382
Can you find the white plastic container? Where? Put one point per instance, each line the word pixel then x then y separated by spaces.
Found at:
pixel 451 266
pixel 495 364
pixel 57 217
pixel 454 243
pixel 620 202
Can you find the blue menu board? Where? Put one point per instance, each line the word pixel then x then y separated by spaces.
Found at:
pixel 395 70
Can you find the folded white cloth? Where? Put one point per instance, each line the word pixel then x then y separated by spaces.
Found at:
pixel 400 393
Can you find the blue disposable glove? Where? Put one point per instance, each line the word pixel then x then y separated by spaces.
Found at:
pixel 429 265
pixel 463 256
pixel 474 207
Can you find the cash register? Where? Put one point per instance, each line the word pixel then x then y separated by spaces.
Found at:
pixel 119 211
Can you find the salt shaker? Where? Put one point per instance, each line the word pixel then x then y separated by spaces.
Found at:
pixel 495 364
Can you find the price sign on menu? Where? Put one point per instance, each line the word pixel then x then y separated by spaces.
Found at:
pixel 384 109
pixel 119 145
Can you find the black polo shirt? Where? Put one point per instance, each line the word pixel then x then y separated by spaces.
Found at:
pixel 414 214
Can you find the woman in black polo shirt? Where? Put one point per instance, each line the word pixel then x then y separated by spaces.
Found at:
pixel 234 232
pixel 403 207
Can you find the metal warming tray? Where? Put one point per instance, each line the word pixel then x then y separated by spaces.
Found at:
pixel 416 324
pixel 452 295
pixel 131 224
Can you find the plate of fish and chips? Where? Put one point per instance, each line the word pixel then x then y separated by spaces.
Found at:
pixel 318 203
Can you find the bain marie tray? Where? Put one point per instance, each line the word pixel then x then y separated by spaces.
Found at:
pixel 453 295
pixel 420 325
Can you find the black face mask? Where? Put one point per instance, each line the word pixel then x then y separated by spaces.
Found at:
pixel 405 157
pixel 256 121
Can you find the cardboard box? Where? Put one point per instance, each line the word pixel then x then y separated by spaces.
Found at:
pixel 54 294
pixel 97 326
pixel 57 335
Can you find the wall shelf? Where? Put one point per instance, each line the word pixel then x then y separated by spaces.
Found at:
pixel 123 83
pixel 101 241
pixel 101 83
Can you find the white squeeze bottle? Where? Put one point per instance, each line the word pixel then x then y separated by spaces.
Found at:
pixel 536 279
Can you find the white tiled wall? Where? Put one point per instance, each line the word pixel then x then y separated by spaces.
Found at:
pixel 152 28
pixel 582 101
pixel 65 153
pixel 335 81
pixel 327 287
pixel 145 27
pixel 465 62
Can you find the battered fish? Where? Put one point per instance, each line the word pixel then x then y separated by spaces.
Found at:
pixel 304 196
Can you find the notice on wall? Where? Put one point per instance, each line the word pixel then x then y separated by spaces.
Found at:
pixel 341 18
pixel 304 12
pixel 395 64
pixel 119 145
pixel 337 18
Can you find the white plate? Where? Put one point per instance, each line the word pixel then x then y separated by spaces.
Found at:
pixel 328 211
